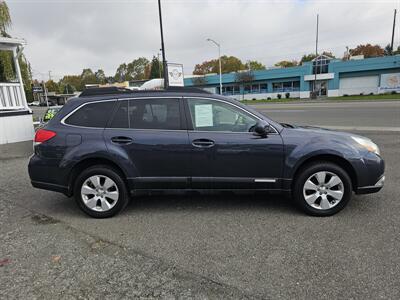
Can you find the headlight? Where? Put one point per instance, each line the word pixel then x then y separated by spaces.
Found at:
pixel 367 144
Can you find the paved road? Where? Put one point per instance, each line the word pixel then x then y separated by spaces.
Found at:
pixel 201 246
pixel 342 115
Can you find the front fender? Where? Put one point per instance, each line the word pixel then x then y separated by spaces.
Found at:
pixel 299 148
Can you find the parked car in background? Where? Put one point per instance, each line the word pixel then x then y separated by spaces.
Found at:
pixel 33 103
pixel 105 147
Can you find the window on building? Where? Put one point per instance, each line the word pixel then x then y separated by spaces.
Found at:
pixel 286 86
pixel 263 88
pixel 321 64
pixel 255 88
pixel 94 115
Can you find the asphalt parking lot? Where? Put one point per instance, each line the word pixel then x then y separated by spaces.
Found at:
pixel 225 246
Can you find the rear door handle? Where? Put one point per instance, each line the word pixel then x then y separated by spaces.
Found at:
pixel 122 140
pixel 203 143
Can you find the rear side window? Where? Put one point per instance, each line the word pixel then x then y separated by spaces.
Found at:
pixel 148 114
pixel 92 115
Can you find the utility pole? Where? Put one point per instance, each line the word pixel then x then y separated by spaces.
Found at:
pixel 45 94
pixel 49 75
pixel 394 26
pixel 315 61
pixel 220 65
pixel 163 48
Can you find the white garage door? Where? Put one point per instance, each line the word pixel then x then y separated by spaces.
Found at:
pixel 357 85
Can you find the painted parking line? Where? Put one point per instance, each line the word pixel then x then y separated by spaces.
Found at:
pixel 361 128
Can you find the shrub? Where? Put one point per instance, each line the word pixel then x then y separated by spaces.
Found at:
pixel 254 99
pixel 345 95
pixel 371 94
pixel 361 94
pixel 287 95
pixel 394 92
pixel 269 98
pixel 279 96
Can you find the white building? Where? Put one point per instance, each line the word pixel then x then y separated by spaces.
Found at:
pixel 16 124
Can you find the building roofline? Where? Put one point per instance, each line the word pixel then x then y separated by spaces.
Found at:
pixel 12 41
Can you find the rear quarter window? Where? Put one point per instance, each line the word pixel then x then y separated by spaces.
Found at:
pixel 92 115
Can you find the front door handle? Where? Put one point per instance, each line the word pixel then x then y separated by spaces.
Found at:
pixel 203 143
pixel 122 140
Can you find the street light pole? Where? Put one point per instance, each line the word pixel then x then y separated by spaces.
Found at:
pixel 315 62
pixel 162 48
pixel 220 66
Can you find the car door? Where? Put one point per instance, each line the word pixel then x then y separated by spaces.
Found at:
pixel 150 133
pixel 226 154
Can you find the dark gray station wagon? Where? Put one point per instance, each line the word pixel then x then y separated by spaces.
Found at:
pixel 108 145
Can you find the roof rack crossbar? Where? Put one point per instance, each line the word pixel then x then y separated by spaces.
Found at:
pixel 116 90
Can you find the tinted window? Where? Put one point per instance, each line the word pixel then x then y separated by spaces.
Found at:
pixel 92 115
pixel 148 114
pixel 209 115
pixel 121 119
pixel 154 114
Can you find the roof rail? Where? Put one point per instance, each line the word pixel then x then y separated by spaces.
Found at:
pixel 116 90
pixel 104 91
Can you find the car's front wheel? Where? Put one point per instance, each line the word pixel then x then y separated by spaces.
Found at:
pixel 322 189
pixel 100 192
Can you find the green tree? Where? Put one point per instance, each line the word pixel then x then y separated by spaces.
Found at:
pixel 52 86
pixel 156 70
pixel 244 78
pixel 388 50
pixel 5 19
pixel 286 64
pixel 121 73
pixel 135 70
pixel 311 56
pixel 228 64
pixel 254 65
pixel 87 77
pixel 100 76
pixel 73 81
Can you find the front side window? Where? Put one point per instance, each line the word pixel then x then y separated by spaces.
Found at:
pixel 211 115
pixel 148 114
pixel 92 115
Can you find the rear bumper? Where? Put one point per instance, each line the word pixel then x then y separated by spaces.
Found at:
pixel 51 187
pixel 47 175
pixel 372 189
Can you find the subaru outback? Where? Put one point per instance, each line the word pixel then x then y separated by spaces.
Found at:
pixel 106 146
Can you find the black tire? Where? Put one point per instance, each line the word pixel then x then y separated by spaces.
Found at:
pixel 304 175
pixel 102 170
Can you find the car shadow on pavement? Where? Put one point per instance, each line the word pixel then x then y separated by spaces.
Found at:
pixel 224 202
pixel 221 202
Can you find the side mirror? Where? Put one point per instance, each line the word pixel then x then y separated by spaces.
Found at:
pixel 262 128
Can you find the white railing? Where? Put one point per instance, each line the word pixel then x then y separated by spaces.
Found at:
pixel 11 96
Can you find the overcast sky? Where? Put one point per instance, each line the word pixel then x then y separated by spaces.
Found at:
pixel 65 36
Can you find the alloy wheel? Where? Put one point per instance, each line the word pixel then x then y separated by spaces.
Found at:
pixel 99 193
pixel 323 190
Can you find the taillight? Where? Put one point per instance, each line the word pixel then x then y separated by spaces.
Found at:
pixel 43 135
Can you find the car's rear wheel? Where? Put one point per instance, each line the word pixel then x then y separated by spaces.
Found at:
pixel 322 189
pixel 100 192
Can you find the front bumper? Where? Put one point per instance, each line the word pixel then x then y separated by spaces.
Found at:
pixel 372 189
